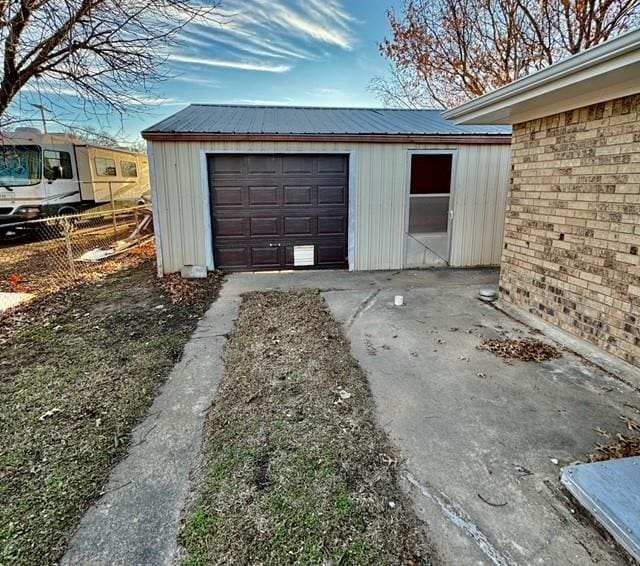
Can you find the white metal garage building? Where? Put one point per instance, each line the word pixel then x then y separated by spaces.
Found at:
pixel 265 188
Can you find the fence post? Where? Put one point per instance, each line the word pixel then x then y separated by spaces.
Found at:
pixel 113 209
pixel 67 239
pixel 137 231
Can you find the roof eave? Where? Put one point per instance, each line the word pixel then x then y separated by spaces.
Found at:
pixel 487 139
pixel 615 59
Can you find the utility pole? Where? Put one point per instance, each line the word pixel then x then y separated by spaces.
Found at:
pixel 42 109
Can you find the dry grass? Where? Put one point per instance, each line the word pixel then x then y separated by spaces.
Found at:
pixel 75 377
pixel 295 469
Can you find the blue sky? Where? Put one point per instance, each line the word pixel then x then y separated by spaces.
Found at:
pixel 286 52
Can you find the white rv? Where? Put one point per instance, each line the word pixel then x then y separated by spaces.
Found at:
pixel 48 174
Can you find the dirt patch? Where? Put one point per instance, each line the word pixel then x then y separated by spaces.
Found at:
pixel 525 350
pixel 42 268
pixel 55 293
pixel 73 384
pixel 295 469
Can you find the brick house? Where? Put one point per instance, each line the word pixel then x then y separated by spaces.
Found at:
pixel 572 231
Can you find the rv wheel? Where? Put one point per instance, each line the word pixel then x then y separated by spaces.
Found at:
pixel 66 211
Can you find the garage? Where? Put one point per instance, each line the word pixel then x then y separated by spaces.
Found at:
pixel 256 188
pixel 272 211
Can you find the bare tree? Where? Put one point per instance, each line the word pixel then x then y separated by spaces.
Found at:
pixel 106 54
pixel 444 52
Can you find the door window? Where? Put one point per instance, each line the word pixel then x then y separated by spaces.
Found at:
pixel 57 165
pixel 429 195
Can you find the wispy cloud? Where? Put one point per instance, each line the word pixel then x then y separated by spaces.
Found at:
pixel 54 89
pixel 267 35
pixel 324 92
pixel 242 65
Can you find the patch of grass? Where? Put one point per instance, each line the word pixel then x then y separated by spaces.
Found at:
pixel 71 389
pixel 295 469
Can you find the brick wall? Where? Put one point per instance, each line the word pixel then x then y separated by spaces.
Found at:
pixel 572 232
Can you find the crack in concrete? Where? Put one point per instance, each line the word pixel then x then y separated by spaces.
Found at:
pixel 363 307
pixel 456 517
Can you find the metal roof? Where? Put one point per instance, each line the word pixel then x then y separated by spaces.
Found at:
pixel 298 120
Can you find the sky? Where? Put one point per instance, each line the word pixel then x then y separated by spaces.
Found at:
pixel 272 52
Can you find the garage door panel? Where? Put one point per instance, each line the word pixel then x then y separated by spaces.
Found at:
pixel 263 165
pixel 228 196
pixel 297 195
pixel 298 226
pixel 332 194
pixel 263 196
pixel 331 225
pixel 329 254
pixel 332 165
pixel 265 257
pixel 297 165
pixel 227 165
pixel 263 206
pixel 267 226
pixel 232 257
pixel 227 227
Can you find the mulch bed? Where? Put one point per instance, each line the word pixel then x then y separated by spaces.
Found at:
pixel 77 372
pixel 295 469
pixel 525 350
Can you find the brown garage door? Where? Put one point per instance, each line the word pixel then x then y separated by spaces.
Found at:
pixel 267 209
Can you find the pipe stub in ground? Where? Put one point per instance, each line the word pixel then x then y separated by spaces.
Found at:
pixel 488 295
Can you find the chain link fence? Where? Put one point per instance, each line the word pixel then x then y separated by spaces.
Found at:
pixel 40 257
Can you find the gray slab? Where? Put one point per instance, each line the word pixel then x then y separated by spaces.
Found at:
pixel 11 300
pixel 471 427
pixel 610 491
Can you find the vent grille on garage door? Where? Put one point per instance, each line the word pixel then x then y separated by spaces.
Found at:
pixel 264 205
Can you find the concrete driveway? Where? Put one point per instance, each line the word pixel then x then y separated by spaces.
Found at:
pixel 483 440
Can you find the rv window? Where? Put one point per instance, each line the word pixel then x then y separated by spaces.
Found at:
pixel 20 165
pixel 105 167
pixel 60 161
pixel 129 168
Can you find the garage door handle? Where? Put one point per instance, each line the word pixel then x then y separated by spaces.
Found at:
pixel 274 245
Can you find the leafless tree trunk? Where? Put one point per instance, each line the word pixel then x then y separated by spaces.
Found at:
pixel 106 53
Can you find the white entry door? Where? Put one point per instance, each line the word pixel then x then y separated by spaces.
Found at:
pixel 429 209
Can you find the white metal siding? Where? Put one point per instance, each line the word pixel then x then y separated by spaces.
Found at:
pixel 381 191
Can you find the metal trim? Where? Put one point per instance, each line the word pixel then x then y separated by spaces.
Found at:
pixel 470 139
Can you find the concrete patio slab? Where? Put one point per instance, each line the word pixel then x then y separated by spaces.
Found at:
pixel 11 300
pixel 483 440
